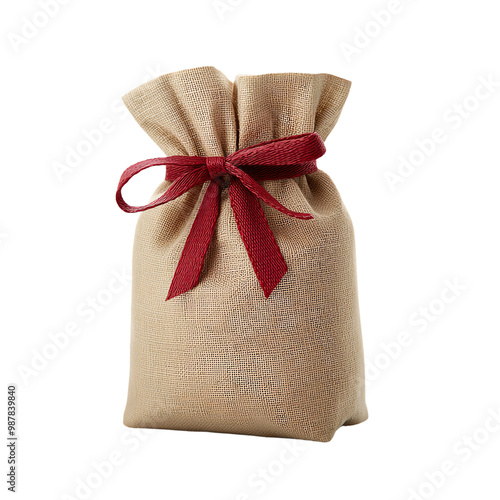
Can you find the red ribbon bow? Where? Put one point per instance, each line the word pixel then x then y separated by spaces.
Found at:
pixel 278 159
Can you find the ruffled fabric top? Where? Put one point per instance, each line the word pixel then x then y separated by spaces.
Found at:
pixel 200 112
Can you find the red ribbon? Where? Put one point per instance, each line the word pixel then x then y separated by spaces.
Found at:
pixel 279 159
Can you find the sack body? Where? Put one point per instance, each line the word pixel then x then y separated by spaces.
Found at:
pixel 222 357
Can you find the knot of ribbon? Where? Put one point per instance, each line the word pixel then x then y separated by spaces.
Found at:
pixel 241 172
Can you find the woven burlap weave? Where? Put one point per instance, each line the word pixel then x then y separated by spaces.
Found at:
pixel 222 357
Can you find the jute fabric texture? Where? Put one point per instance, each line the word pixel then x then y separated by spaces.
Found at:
pixel 222 357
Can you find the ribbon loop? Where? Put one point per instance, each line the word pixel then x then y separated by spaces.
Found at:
pixel 278 159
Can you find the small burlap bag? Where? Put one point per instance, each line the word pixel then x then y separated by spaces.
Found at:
pixel 222 357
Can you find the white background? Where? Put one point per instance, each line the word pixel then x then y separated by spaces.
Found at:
pixel 63 239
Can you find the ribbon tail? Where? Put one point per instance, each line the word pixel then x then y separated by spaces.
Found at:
pixel 263 251
pixel 190 264
pixel 259 192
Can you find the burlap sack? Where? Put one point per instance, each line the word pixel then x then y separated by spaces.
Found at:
pixel 222 357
